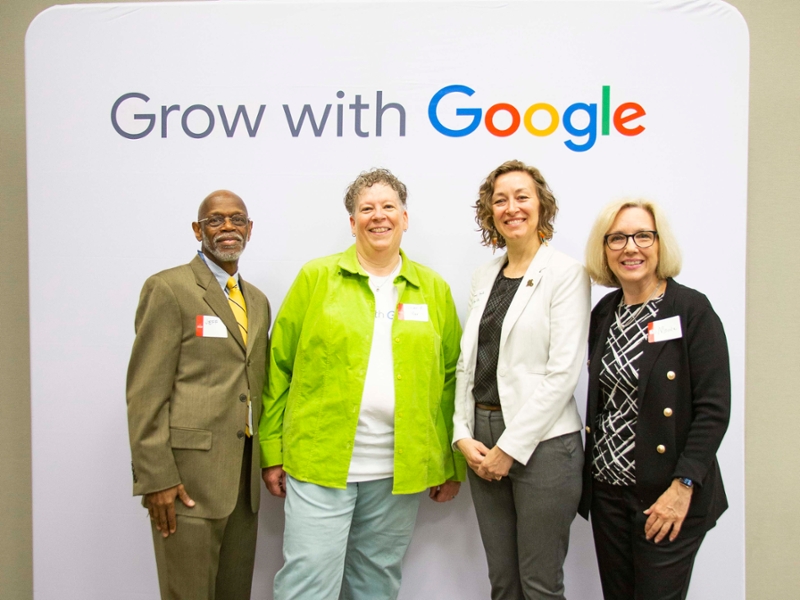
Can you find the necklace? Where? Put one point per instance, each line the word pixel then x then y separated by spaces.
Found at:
pixel 630 319
pixel 376 283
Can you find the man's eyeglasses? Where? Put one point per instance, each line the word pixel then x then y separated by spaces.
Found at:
pixel 219 220
pixel 642 239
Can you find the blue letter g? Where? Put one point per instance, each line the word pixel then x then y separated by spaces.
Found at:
pixel 475 113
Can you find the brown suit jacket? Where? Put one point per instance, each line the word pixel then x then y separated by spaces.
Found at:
pixel 187 395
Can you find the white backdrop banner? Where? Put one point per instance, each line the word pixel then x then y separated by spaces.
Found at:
pixel 137 111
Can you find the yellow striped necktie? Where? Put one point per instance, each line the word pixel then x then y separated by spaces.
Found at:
pixel 236 301
pixel 239 308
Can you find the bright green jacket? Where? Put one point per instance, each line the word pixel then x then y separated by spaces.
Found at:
pixel 319 353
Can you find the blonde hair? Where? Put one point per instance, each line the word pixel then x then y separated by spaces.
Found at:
pixel 669 254
pixel 484 215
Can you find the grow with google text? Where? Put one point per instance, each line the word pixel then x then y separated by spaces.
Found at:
pixel 362 118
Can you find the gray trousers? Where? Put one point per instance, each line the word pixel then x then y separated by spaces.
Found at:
pixel 524 518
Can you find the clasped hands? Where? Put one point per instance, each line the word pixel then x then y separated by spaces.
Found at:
pixel 491 465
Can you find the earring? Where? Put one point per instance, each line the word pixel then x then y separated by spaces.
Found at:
pixel 354 235
pixel 405 230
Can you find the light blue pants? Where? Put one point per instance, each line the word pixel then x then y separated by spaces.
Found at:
pixel 346 544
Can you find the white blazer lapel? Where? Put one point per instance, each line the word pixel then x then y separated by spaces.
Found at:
pixel 530 283
pixel 483 287
pixel 478 298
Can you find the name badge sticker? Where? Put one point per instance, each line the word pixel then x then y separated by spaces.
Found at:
pixel 209 326
pixel 412 312
pixel 665 329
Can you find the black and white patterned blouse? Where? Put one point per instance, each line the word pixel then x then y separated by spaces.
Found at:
pixel 613 458
pixel 484 389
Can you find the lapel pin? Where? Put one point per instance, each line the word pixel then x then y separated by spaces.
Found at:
pixel 530 283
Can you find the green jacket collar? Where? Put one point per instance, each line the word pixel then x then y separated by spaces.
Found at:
pixel 349 262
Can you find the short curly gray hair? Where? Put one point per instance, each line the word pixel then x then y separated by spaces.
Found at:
pixel 368 179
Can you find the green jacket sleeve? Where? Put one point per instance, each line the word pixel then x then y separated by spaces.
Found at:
pixel 283 349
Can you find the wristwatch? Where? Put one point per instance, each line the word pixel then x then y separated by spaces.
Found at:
pixel 685 482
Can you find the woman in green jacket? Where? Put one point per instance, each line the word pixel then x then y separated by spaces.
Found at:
pixel 358 410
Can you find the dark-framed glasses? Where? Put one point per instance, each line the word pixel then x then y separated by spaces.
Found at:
pixel 219 220
pixel 642 239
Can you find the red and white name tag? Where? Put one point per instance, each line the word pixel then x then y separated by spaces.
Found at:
pixel 412 312
pixel 663 330
pixel 210 326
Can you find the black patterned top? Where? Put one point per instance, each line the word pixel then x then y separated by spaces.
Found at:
pixel 485 388
pixel 613 457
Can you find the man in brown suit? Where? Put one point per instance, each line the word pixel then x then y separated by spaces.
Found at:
pixel 194 387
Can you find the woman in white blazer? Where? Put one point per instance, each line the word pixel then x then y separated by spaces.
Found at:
pixel 516 419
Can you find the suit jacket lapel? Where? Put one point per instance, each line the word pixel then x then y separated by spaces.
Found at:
pixel 216 299
pixel 530 283
pixel 253 324
pixel 650 351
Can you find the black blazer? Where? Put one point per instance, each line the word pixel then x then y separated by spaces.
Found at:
pixel 684 405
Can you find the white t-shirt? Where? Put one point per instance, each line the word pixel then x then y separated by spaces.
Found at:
pixel 373 449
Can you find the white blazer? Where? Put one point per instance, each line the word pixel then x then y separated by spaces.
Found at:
pixel 542 349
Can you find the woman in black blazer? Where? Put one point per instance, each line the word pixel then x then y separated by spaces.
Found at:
pixel 658 407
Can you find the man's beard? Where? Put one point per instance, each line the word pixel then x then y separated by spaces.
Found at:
pixel 210 246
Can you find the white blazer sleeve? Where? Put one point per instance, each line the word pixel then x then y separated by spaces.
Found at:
pixel 465 407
